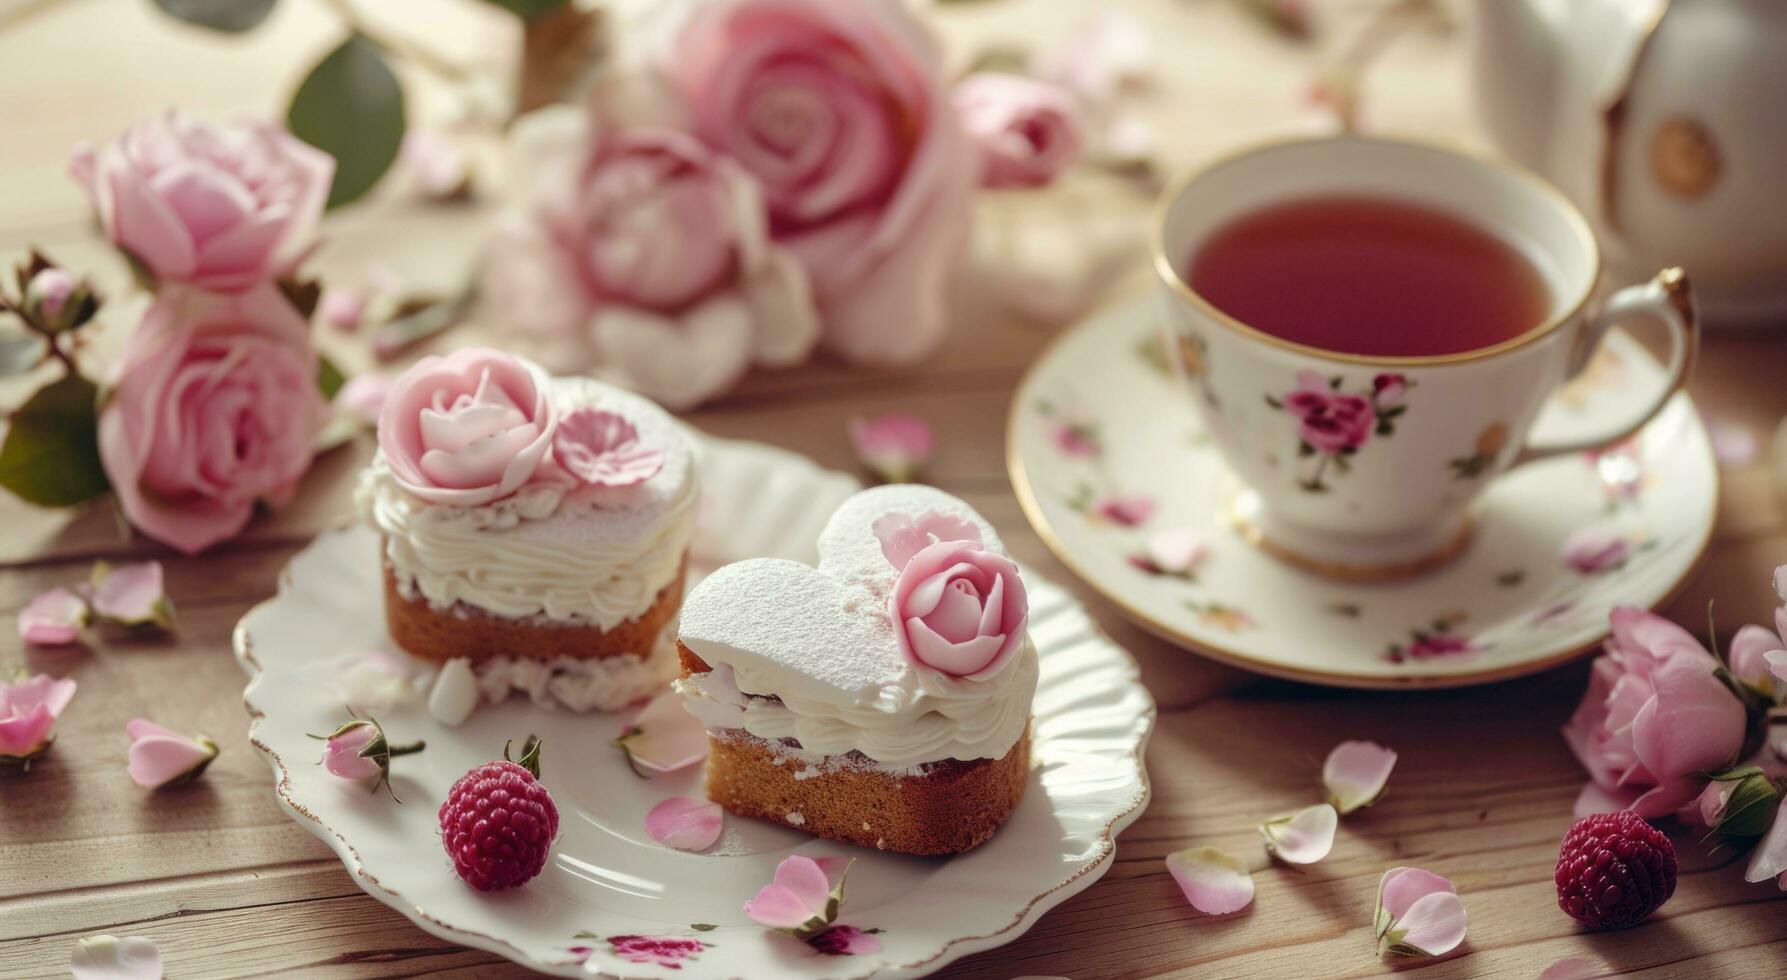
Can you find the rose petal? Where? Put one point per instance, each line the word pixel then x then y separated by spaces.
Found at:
pixel 666 736
pixel 455 693
pixel 809 880
pixel 53 618
pixel 685 824
pixel 1575 968
pixel 159 757
pixel 1214 881
pixel 1355 774
pixel 1433 926
pixel 1304 837
pixel 111 958
pixel 1400 888
pixel 363 396
pixel 777 908
pixel 1770 857
pixel 1777 664
pixel 131 594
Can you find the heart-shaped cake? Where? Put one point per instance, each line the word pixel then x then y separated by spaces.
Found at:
pixel 881 698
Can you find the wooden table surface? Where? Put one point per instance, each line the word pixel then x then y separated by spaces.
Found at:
pixel 227 885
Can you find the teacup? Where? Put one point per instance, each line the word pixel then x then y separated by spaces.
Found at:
pixel 1386 501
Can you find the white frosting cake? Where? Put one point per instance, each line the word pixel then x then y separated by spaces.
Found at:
pixel 810 653
pixel 586 555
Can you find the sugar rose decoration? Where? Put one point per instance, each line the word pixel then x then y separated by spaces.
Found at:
pixel 467 428
pixel 214 407
pixel 221 208
pixel 956 607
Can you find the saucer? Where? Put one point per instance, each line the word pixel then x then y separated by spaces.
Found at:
pixel 1107 456
pixel 607 882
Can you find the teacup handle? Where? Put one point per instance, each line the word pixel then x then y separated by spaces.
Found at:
pixel 1666 298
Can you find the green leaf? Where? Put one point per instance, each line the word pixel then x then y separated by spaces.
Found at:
pixel 227 16
pixel 351 106
pixel 703 926
pixel 527 9
pixel 51 453
pixel 329 378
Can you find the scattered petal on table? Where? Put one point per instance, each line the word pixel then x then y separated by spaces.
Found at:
pixel 1304 837
pixel 893 446
pixel 1575 968
pixel 111 958
pixel 1418 913
pixel 29 708
pixel 159 757
pixel 53 618
pixel 685 824
pixel 1770 857
pixel 1214 881
pixel 132 595
pixel 1355 774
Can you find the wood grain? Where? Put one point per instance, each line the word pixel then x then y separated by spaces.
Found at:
pixel 227 885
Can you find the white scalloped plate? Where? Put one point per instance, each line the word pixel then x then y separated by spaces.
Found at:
pixel 606 877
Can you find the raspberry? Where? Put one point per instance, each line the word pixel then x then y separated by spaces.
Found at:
pixel 1613 870
pixel 499 822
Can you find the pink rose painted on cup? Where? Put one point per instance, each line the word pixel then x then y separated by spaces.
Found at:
pixel 1331 421
pixel 214 407
pixel 646 256
pixel 1027 131
pixel 218 207
pixel 956 607
pixel 1655 718
pixel 840 110
pixel 467 428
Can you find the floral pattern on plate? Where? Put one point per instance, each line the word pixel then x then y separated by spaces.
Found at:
pixel 1527 607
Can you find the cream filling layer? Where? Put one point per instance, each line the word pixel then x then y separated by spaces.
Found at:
pixel 922 717
pixel 472 555
pixel 580 684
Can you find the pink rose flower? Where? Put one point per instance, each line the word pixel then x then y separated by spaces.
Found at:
pixel 1028 132
pixel 668 951
pixel 1332 421
pixel 647 254
pixel 839 109
pixel 959 609
pixel 1654 717
pixel 214 407
pixel 29 708
pixel 467 428
pixel 222 208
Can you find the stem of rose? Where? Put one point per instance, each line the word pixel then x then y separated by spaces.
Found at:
pixel 410 749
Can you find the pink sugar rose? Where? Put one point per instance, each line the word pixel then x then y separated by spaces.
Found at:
pixel 1654 718
pixel 223 208
pixel 214 407
pixel 1332 422
pixel 839 109
pixel 467 428
pixel 959 609
pixel 29 708
pixel 1028 132
pixel 603 449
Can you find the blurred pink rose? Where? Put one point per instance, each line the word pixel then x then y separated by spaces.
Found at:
pixel 1027 131
pixel 1748 656
pixel 214 407
pixel 219 207
pixel 651 251
pixel 959 609
pixel 467 428
pixel 893 445
pixel 839 109
pixel 1654 718
pixel 29 708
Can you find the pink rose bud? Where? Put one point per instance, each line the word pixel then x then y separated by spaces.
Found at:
pixel 222 208
pixel 467 428
pixel 1028 131
pixel 47 296
pixel 358 750
pixel 29 707
pixel 215 408
pixel 893 446
pixel 159 757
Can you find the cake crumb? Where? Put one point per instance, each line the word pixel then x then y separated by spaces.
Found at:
pixel 796 818
pixel 805 773
pixel 865 825
pixel 881 843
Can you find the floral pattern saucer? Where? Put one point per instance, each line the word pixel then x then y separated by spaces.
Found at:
pixel 1117 475
pixel 612 902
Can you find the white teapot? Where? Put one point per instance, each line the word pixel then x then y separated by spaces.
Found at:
pixel 1665 121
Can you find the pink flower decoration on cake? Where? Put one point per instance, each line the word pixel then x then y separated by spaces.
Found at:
pixel 1332 421
pixel 603 449
pixel 467 428
pixel 28 710
pixel 223 208
pixel 956 607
